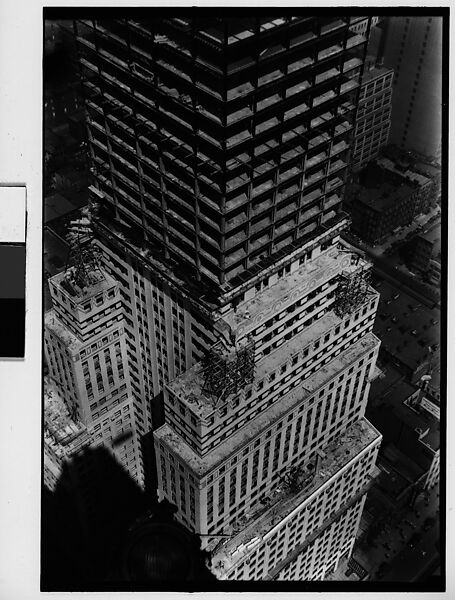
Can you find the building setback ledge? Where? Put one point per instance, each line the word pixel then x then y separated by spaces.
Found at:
pixel 301 547
pixel 69 339
pixel 357 438
pixel 203 465
pixel 188 388
pixel 61 429
pixel 275 298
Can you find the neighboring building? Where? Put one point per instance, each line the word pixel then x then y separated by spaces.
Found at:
pixel 386 198
pixel 427 190
pixel 431 170
pixel 219 149
pixel 431 389
pixel 62 96
pixel 60 103
pixel 71 468
pixel 413 49
pixel 409 455
pixel 425 256
pixel 363 23
pixel 421 253
pixel 380 203
pixel 373 115
pixel 409 332
pixel 85 346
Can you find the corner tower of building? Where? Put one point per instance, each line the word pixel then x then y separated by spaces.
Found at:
pixel 86 355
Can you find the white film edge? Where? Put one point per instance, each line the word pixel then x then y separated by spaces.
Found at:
pixel 12 214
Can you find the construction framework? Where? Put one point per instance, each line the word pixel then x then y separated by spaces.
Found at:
pixel 83 264
pixel 175 88
pixel 352 290
pixel 226 375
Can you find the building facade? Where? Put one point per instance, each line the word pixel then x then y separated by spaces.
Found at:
pixel 374 114
pixel 387 196
pixel 417 92
pixel 427 187
pixel 362 25
pixel 381 202
pixel 219 148
pixel 85 349
pixel 410 422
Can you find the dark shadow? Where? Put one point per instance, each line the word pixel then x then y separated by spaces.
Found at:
pixel 149 464
pixel 100 531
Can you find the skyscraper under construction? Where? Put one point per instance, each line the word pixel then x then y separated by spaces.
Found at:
pixel 219 149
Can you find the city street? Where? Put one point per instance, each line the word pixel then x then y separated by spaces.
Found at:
pixel 388 267
pixel 409 284
pixel 413 562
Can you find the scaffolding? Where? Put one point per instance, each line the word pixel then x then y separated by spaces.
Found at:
pixel 226 375
pixel 352 290
pixel 83 264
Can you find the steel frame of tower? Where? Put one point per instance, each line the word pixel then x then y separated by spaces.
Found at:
pixel 191 144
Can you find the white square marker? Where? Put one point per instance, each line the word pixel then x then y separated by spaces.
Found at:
pixel 12 214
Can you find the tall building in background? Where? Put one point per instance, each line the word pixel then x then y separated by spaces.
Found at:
pixel 412 47
pixel 219 148
pixel 374 113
